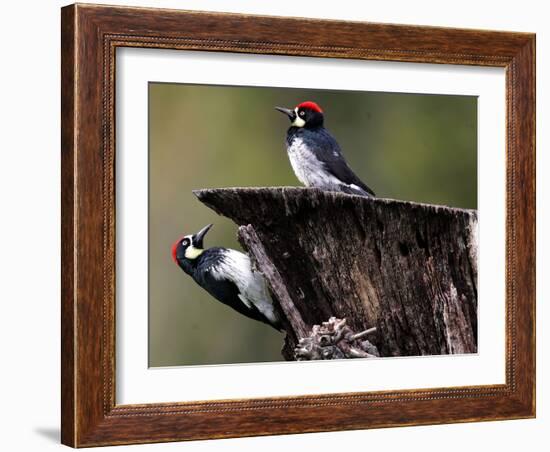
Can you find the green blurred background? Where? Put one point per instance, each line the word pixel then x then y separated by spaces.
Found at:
pixel 406 146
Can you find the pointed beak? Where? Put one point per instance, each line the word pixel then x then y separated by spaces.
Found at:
pixel 199 236
pixel 287 111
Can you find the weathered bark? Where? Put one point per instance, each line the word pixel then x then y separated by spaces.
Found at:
pixel 410 270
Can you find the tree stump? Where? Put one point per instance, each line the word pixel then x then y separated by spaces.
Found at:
pixel 407 269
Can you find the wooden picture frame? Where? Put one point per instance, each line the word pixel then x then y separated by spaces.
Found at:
pixel 90 36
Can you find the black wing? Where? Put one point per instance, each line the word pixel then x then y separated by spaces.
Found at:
pixel 330 154
pixel 227 292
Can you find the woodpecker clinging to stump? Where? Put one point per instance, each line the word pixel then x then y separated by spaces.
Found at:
pixel 227 275
pixel 314 154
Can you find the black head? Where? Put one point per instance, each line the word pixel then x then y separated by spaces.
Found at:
pixel 307 114
pixel 188 248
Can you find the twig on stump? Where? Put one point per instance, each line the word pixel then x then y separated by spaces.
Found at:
pixel 335 340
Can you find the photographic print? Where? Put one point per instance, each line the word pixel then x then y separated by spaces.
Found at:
pixel 261 236
pixel 294 224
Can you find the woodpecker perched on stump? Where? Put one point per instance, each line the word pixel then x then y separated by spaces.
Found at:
pixel 314 154
pixel 227 275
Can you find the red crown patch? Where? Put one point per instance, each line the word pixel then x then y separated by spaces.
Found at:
pixel 310 106
pixel 175 248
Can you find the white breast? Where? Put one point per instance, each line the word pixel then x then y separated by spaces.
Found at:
pixel 236 266
pixel 308 169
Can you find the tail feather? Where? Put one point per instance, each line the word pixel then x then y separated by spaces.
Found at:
pixel 356 190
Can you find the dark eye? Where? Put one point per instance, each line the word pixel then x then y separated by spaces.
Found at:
pixel 302 113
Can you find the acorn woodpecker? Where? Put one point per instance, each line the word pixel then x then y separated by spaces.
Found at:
pixel 227 275
pixel 314 154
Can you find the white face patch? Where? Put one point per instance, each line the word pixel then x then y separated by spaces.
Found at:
pixel 298 122
pixel 191 252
